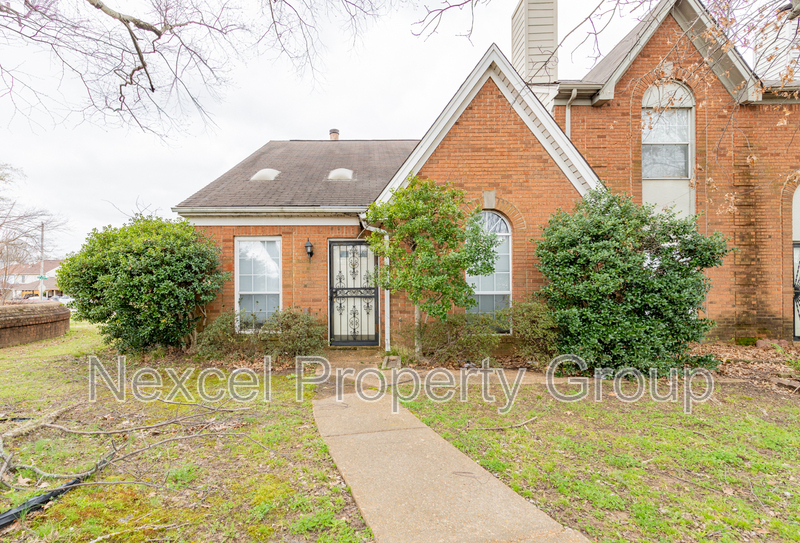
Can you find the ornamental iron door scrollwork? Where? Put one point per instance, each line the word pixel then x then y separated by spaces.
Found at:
pixel 353 294
pixel 796 285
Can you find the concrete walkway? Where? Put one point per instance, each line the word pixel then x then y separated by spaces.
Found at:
pixel 412 486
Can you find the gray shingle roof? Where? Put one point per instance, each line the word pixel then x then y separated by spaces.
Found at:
pixel 605 67
pixel 303 181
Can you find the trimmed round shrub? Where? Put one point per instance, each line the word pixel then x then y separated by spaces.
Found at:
pixel 144 282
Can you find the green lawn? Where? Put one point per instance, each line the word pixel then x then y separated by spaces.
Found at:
pixel 643 471
pixel 263 474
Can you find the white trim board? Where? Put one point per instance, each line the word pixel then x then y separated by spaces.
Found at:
pixel 257 210
pixel 693 18
pixel 273 221
pixel 495 66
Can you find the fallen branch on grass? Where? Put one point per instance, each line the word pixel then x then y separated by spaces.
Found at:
pixel 753 492
pixel 138 529
pixel 28 427
pixel 132 429
pixel 114 457
pixel 508 427
pixel 39 501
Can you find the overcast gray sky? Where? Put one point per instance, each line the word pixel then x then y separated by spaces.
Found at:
pixel 391 84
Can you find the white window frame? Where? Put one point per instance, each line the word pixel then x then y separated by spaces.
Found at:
pixel 236 241
pixel 671 95
pixel 510 292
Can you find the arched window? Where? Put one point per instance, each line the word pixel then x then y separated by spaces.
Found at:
pixel 668 147
pixel 493 292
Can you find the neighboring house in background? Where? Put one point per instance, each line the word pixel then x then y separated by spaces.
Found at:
pixel 21 279
pixel 520 158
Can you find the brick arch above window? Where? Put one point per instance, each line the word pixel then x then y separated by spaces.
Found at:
pixel 680 77
pixel 510 211
pixel 668 94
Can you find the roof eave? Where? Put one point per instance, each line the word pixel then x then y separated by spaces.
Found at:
pixel 580 174
pixel 585 90
pixel 265 210
pixel 728 65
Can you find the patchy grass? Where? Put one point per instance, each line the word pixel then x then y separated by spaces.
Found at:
pixel 642 471
pixel 258 474
pixel 38 375
pixel 82 339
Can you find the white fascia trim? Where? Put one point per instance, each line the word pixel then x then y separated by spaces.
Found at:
pixel 463 98
pixel 697 13
pixel 256 210
pixel 564 143
pixel 249 220
pixel 606 92
pixel 746 89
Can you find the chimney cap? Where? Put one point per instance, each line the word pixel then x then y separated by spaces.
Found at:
pixel 334 132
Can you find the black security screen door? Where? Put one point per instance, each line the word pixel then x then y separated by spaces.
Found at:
pixel 354 296
pixel 796 283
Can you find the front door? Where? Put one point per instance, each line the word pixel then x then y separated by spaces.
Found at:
pixel 796 284
pixel 354 296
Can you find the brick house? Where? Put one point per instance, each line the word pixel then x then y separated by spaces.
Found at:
pixel 522 144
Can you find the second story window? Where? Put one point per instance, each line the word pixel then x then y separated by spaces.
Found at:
pixel 668 148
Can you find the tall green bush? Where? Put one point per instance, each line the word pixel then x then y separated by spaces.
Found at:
pixel 626 282
pixel 431 242
pixel 145 282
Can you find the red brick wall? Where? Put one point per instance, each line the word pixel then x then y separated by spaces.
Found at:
pixel 491 148
pixel 305 284
pixel 751 294
pixel 25 323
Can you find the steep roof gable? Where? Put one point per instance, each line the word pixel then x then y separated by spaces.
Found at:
pixel 694 19
pixel 494 65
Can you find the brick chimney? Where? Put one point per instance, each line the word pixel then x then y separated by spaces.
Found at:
pixel 534 41
pixel 334 132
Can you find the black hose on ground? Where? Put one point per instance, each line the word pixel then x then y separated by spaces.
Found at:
pixel 37 502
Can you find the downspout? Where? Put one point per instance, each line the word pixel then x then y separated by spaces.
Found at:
pixel 387 329
pixel 568 113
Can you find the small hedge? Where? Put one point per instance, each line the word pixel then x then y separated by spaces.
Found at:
pixel 285 334
pixel 220 339
pixel 293 332
pixel 461 338
pixel 534 330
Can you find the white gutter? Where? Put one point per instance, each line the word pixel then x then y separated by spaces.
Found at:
pixel 568 114
pixel 387 305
